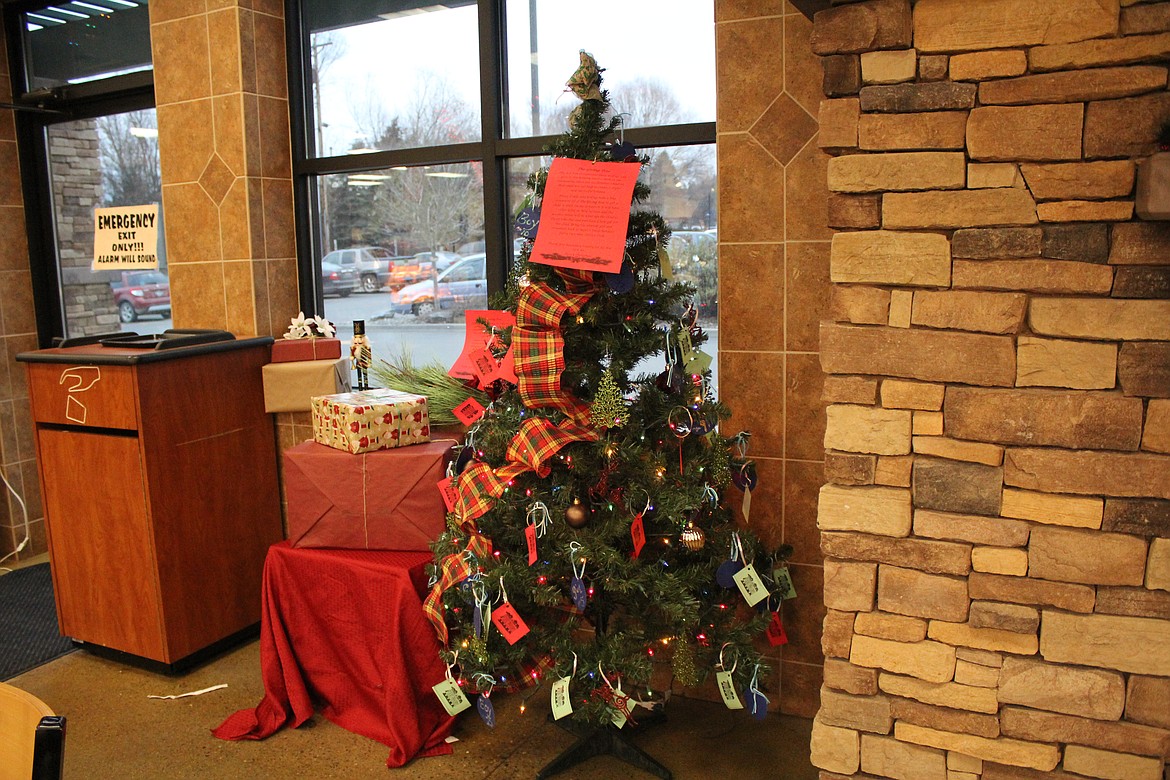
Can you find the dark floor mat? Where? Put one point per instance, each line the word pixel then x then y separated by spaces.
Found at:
pixel 28 621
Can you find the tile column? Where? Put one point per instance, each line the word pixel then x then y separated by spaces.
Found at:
pixel 221 90
pixel 774 286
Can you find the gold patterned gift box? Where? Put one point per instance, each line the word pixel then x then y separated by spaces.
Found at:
pixel 370 420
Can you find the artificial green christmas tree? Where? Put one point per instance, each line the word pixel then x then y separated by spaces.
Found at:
pixel 580 551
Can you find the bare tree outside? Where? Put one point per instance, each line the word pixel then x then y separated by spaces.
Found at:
pixel 423 209
pixel 128 149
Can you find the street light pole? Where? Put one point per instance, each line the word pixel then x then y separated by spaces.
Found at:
pixel 534 59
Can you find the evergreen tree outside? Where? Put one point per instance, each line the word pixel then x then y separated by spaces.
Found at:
pixel 601 605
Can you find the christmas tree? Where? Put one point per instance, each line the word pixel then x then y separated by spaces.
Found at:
pixel 589 539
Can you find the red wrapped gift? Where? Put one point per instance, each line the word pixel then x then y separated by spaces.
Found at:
pixel 293 350
pixel 381 500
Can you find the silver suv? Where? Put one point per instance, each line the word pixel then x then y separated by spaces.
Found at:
pixel 371 263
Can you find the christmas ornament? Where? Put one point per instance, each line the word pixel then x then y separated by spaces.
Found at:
pixel 585 82
pixel 361 355
pixel 576 515
pixel 693 537
pixel 683 663
pixel 608 410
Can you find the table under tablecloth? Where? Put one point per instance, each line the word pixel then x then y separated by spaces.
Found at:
pixel 344 630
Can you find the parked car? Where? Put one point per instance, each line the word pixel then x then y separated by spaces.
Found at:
pixel 462 286
pixel 338 280
pixel 142 292
pixel 440 260
pixel 373 264
pixel 409 270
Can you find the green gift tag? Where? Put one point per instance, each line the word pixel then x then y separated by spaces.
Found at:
pixel 784 583
pixel 664 264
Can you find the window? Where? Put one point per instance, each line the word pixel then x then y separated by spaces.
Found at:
pixel 421 122
pixel 88 137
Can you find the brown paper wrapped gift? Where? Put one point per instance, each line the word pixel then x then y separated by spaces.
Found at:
pixel 288 387
pixel 383 500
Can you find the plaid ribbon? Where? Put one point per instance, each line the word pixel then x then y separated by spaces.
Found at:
pixel 540 359
pixel 455 568
pixel 538 440
pixel 536 338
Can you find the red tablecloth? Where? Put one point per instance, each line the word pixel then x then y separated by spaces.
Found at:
pixel 344 629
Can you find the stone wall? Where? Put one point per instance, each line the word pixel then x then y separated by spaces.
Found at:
pixel 75 161
pixel 996 522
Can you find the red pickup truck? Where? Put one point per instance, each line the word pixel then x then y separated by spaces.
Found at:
pixel 142 292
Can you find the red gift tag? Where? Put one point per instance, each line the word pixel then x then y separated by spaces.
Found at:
pixel 638 534
pixel 508 368
pixel 530 536
pixel 469 411
pixel 776 635
pixel 511 626
pixel 449 493
pixel 485 366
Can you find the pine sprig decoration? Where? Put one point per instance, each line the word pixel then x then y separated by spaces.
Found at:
pixel 443 391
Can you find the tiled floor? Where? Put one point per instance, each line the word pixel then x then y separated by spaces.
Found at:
pixel 114 731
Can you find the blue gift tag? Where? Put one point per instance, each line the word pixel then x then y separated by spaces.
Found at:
pixel 744 477
pixel 622 151
pixel 486 711
pixel 527 222
pixel 623 280
pixel 757 704
pixel 577 591
pixel 725 574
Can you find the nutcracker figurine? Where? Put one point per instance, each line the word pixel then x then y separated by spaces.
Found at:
pixel 361 355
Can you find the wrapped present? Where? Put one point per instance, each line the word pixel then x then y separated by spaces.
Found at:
pixel 383 500
pixel 370 420
pixel 290 387
pixel 292 350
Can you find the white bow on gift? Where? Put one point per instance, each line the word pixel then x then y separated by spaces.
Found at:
pixel 303 327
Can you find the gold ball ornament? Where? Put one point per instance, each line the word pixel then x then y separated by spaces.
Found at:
pixel 693 537
pixel 576 515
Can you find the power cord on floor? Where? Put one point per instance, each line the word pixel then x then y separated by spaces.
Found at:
pixel 24 513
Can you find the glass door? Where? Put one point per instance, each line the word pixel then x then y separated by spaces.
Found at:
pixel 106 162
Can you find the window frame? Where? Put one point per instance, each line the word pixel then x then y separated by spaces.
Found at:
pixel 494 149
pixel 33 114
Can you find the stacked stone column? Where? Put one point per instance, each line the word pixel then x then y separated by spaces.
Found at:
pixel 996 518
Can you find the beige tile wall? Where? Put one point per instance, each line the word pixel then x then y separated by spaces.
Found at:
pixel 774 284
pixel 17 334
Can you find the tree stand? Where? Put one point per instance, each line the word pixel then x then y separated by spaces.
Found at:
pixel 605 741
